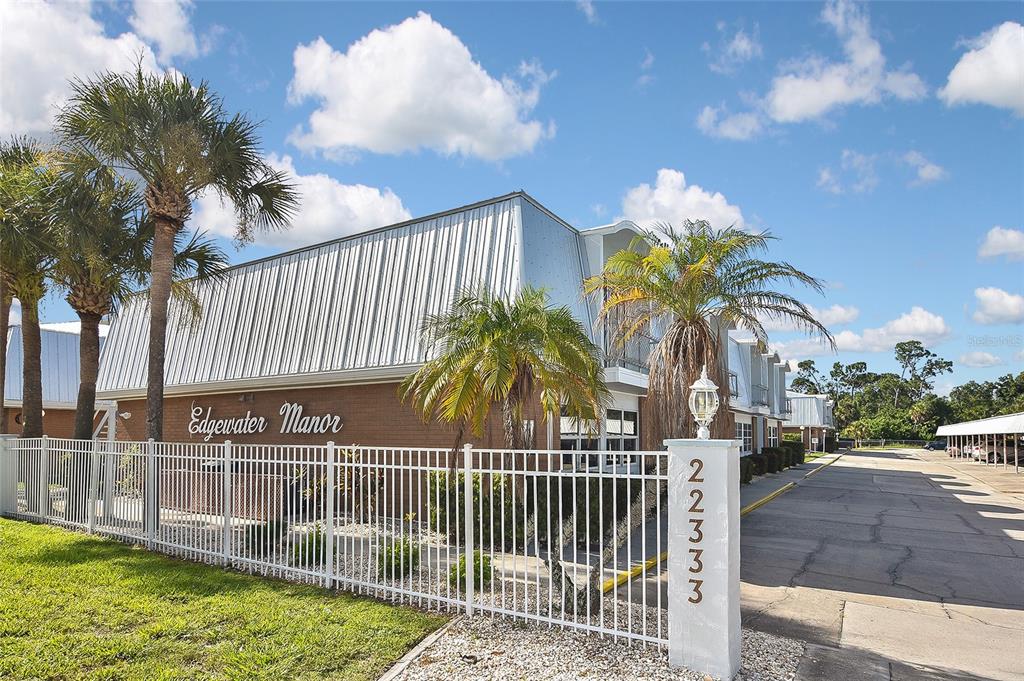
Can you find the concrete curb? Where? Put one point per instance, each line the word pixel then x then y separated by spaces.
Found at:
pixel 403 662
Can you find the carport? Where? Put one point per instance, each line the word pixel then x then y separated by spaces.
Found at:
pixel 992 441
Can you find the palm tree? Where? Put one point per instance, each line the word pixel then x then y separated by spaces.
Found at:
pixel 103 240
pixel 26 251
pixel 696 283
pixel 5 317
pixel 488 350
pixel 178 139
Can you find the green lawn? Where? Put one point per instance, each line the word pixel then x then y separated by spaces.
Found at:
pixel 75 606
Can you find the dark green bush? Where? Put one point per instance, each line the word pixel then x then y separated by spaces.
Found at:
pixel 311 548
pixel 397 558
pixel 445 510
pixel 608 502
pixel 746 470
pixel 760 462
pixel 771 461
pixel 483 572
pixel 265 536
pixel 796 451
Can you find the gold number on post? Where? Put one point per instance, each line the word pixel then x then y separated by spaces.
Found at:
pixel 697 596
pixel 698 564
pixel 698 466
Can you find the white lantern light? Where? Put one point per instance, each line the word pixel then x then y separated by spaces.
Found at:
pixel 703 403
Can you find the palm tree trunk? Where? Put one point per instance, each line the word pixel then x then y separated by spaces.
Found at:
pixel 32 377
pixel 89 360
pixel 159 295
pixel 5 314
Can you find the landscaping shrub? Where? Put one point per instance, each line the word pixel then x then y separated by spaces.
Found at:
pixel 746 470
pixel 264 537
pixel 397 558
pixel 481 567
pixel 771 461
pixel 760 463
pixel 796 451
pixel 311 548
pixel 608 502
pixel 445 510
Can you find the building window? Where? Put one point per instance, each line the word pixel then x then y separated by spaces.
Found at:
pixel 578 434
pixel 745 432
pixel 773 436
pixel 621 434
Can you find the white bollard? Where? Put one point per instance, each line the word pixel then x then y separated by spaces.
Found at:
pixel 704 556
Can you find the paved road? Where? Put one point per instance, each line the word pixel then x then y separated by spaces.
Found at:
pixel 893 565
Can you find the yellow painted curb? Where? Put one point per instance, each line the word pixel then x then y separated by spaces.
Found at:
pixel 764 500
pixel 637 570
pixel 826 465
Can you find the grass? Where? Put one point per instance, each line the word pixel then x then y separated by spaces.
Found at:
pixel 79 607
pixel 811 456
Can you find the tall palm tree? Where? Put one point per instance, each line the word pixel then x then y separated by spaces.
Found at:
pixel 5 318
pixel 26 251
pixel 177 137
pixel 489 351
pixel 696 282
pixel 103 239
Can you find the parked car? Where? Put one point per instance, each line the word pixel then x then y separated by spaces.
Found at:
pixel 936 446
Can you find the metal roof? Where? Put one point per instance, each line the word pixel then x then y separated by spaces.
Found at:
pixel 995 425
pixel 346 310
pixel 59 360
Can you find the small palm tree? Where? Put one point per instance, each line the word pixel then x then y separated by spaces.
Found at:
pixel 488 351
pixel 178 139
pixel 696 282
pixel 26 254
pixel 103 239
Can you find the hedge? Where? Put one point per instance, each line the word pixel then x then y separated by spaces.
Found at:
pixel 759 462
pixel 746 470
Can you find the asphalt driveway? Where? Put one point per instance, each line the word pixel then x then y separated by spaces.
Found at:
pixel 893 565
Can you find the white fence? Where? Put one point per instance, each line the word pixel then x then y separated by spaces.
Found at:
pixel 546 536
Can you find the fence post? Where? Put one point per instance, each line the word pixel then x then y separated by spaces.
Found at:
pixel 151 507
pixel 467 525
pixel 94 484
pixel 228 499
pixel 329 521
pixel 704 556
pixel 8 478
pixel 44 478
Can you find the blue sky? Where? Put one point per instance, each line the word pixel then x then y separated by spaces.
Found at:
pixel 882 144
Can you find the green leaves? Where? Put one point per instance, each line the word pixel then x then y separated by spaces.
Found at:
pixel 488 350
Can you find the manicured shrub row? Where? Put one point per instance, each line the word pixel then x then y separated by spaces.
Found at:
pixel 771 460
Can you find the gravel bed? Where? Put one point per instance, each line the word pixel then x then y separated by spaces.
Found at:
pixel 481 648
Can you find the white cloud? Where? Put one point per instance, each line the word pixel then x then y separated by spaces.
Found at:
pixel 1003 241
pixel 587 7
pixel 834 315
pixel 926 170
pixel 410 86
pixel 329 210
pixel 979 360
pixel 672 200
pixel 811 87
pixel 46 44
pixel 646 77
pixel 718 122
pixel 996 306
pixel 991 72
pixel 1019 355
pixel 856 174
pixel 918 324
pixel 165 23
pixel 734 49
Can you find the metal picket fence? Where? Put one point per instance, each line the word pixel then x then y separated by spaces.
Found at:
pixel 548 536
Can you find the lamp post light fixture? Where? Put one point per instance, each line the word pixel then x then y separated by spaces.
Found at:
pixel 703 403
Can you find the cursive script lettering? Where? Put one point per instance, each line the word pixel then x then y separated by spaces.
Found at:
pixel 201 423
pixel 295 422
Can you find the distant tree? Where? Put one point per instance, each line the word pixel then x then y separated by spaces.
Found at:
pixel 919 366
pixel 928 413
pixel 808 380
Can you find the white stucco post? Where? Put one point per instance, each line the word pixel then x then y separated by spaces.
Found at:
pixel 704 556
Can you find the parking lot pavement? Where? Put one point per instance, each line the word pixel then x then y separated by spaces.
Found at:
pixel 893 565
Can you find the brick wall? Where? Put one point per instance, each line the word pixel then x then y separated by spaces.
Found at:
pixel 372 415
pixel 56 422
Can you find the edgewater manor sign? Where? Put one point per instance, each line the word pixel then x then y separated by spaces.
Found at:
pixel 293 422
